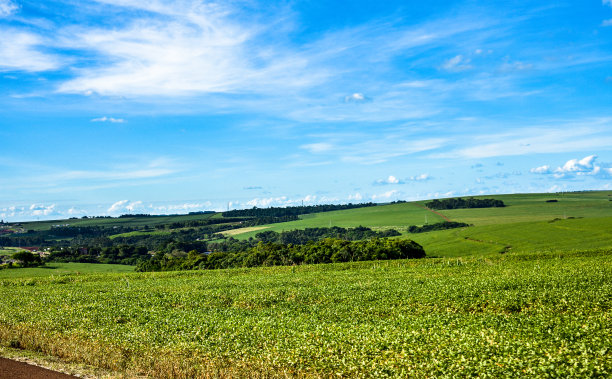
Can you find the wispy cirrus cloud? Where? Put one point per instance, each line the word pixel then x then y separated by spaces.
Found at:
pixel 565 136
pixel 23 51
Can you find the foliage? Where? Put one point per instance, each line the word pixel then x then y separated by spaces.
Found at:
pixel 437 226
pixel 458 203
pixel 27 259
pixel 275 254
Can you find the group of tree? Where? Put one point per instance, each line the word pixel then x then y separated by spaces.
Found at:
pixel 301 237
pixel 458 203
pixel 437 226
pixel 293 211
pixel 329 250
pixel 124 254
pixel 27 259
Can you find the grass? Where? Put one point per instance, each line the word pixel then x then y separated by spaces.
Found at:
pixel 62 269
pixel 519 314
pixel 8 251
pixel 581 220
pixel 379 217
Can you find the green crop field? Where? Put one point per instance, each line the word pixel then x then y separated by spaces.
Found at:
pixel 57 269
pixel 544 314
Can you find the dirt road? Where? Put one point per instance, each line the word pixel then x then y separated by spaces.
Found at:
pixel 19 370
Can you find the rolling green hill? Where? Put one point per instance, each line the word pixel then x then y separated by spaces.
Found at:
pixel 528 222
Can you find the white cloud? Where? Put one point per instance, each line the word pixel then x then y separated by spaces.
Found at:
pixel 574 165
pixel 571 136
pixel 420 178
pixel 188 48
pixel 356 97
pixel 319 147
pixel 607 2
pixel 42 210
pixel 584 167
pixel 386 195
pixel 108 119
pixel 355 197
pixel 268 202
pixel 541 170
pixel 119 205
pixel 181 208
pixel 126 206
pixel 606 22
pixel 20 51
pixel 7 8
pixel 457 63
pixel 390 180
pixel 578 168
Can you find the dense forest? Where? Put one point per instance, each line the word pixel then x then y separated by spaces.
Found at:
pixel 329 250
pixel 458 203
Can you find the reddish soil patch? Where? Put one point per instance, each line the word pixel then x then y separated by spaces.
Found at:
pixel 19 370
pixel 438 213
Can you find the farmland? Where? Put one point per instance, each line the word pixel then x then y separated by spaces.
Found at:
pixel 525 290
pixel 526 314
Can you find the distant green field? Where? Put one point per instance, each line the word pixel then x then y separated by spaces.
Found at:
pixel 581 221
pixel 380 217
pixel 60 269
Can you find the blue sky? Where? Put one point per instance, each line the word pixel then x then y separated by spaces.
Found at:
pixel 126 106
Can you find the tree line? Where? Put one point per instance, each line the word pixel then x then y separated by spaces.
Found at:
pixel 293 211
pixel 329 250
pixel 458 203
pixel 437 226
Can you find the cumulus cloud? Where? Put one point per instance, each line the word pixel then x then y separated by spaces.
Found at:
pixel 268 202
pixel 356 97
pixel 573 168
pixel 582 166
pixel 390 180
pixel 7 8
pixel 541 170
pixel 108 119
pixel 42 210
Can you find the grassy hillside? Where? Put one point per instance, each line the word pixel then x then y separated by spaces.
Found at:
pixel 539 314
pixel 528 222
